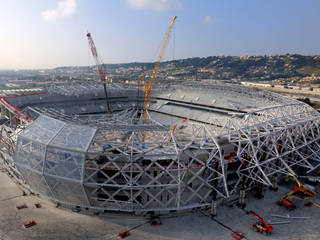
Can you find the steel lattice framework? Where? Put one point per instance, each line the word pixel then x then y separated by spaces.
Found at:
pixel 118 162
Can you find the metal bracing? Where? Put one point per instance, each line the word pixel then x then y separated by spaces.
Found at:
pixel 118 162
pixel 78 89
pixel 275 147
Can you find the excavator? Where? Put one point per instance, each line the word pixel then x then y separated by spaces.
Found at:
pixel 300 191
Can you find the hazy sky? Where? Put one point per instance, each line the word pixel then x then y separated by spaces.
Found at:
pixel 50 33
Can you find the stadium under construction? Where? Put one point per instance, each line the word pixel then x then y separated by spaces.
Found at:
pixel 198 144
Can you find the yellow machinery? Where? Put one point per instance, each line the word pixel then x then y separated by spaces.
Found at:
pixel 300 191
pixel 147 87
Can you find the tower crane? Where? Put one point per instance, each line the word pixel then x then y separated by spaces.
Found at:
pixel 148 86
pixel 100 66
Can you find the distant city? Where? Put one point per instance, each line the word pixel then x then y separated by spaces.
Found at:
pixel 289 69
pixel 295 75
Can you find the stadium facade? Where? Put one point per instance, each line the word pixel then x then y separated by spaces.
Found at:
pixel 200 143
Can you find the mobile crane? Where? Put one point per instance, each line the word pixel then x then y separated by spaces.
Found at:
pixel 300 191
pixel 261 226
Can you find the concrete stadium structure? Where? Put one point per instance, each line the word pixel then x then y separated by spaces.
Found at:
pixel 201 143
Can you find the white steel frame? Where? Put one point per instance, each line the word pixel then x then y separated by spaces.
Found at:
pixel 128 165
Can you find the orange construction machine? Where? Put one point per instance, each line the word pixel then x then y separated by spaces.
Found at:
pixel 300 191
pixel 261 226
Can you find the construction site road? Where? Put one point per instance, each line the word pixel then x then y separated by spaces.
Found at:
pixel 60 223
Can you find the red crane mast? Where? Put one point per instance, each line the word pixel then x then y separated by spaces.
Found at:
pixel 100 66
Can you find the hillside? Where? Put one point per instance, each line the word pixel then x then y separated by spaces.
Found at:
pixel 289 68
pixel 227 67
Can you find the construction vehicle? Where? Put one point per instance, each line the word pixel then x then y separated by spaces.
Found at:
pixel 148 86
pixel 261 226
pixel 101 68
pixel 127 233
pixel 300 191
pixel 155 220
pixel 237 235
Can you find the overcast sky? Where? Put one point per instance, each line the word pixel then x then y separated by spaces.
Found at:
pixel 51 33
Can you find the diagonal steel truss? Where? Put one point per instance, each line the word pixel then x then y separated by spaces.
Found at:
pixel 114 169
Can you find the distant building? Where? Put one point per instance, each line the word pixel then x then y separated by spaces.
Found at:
pixel 254 84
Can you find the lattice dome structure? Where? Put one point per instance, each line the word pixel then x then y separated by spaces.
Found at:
pixel 201 142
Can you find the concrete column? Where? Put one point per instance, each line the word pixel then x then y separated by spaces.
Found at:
pixel 274 183
pixel 259 194
pixel 214 205
pixel 214 202
pixel 3 112
pixel 242 197
pixel 11 117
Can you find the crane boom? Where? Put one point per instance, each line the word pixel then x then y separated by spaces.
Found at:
pixel 149 86
pixel 100 66
pixel 261 226
pixel 294 177
pixel 300 191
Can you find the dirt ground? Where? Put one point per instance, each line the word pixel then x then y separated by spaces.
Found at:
pixel 60 223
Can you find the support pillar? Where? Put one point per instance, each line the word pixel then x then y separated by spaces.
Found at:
pixel 214 202
pixel 259 194
pixel 2 114
pixel 11 117
pixel 242 197
pixel 274 183
pixel 214 205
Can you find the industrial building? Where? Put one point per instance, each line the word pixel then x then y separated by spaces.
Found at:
pixel 199 144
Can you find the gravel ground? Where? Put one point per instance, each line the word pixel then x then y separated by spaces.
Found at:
pixel 58 223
